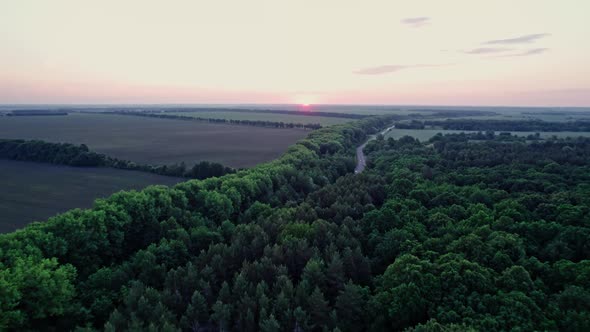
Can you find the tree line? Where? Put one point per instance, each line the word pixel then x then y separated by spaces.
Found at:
pixel 258 123
pixel 508 125
pixel 270 111
pixel 447 235
pixel 34 113
pixel 454 112
pixel 80 156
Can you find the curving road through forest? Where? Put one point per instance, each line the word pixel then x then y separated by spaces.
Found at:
pixel 361 159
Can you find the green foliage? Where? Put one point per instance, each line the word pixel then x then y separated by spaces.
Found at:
pixel 55 153
pixel 454 236
pixel 34 291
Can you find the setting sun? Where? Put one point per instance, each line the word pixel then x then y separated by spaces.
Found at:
pixel 304 100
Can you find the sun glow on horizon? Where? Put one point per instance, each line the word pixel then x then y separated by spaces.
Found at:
pixel 304 100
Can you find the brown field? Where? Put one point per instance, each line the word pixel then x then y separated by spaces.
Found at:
pixel 157 141
pixel 35 191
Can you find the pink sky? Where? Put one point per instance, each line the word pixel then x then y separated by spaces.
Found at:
pixel 456 52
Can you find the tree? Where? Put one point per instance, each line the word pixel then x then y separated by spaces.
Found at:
pixel 313 273
pixel 318 309
pixel 351 307
pixel 335 276
pixel 221 315
pixel 196 313
pixel 270 325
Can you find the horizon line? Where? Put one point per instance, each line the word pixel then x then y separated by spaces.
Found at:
pixel 282 104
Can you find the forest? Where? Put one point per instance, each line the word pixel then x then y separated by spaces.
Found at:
pixel 80 156
pixel 448 235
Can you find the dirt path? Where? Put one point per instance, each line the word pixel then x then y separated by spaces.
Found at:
pixel 361 159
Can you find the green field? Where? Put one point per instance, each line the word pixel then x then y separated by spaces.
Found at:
pixel 426 134
pixel 157 141
pixel 503 113
pixel 523 117
pixel 254 116
pixel 35 191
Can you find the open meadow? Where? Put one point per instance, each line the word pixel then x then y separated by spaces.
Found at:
pixel 156 141
pixel 34 191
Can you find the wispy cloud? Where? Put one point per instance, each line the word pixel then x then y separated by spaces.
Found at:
pixel 416 22
pixel 526 39
pixel 386 69
pixel 487 50
pixel 532 51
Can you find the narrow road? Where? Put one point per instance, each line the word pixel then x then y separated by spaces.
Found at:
pixel 361 159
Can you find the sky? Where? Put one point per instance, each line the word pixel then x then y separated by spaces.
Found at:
pixel 452 52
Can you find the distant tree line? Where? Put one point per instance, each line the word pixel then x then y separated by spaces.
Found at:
pixel 53 153
pixel 80 156
pixel 434 112
pixel 510 125
pixel 257 123
pixel 152 109
pixel 455 113
pixel 297 113
pixel 560 112
pixel 488 136
pixel 35 113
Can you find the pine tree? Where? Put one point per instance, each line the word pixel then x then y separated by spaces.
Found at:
pixel 335 277
pixel 270 325
pixel 196 313
pixel 317 306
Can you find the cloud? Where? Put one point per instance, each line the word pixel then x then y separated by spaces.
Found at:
pixel 532 51
pixel 526 39
pixel 416 22
pixel 386 69
pixel 378 70
pixel 487 50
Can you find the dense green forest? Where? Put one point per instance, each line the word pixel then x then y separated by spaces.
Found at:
pixel 257 123
pixel 448 235
pixel 81 156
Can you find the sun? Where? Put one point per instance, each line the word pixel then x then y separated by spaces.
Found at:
pixel 304 100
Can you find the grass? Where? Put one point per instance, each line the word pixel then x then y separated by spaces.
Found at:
pixel 157 141
pixel 34 192
pixel 425 134
pixel 324 121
